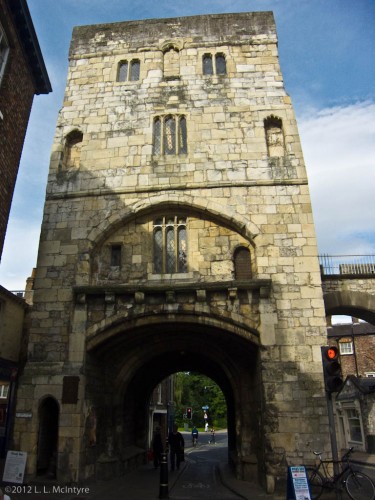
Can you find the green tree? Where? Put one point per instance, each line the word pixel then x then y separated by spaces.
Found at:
pixel 195 390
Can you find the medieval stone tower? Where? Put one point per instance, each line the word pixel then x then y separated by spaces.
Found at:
pixel 177 235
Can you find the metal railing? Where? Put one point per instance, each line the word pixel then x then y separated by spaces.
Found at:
pixel 358 265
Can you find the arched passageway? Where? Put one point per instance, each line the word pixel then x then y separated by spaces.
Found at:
pixel 125 367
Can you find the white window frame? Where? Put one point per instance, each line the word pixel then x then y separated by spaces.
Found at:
pixel 4 391
pixel 346 348
pixel 4 52
pixel 370 374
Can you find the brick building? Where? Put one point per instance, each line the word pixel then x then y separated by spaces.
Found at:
pixel 177 236
pixel 355 402
pixel 22 75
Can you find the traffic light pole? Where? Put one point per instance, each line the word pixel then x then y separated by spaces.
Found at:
pixel 332 432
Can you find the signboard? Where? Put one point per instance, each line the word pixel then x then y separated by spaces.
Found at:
pixel 15 467
pixel 298 485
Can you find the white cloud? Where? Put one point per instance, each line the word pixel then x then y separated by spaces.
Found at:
pixel 339 150
pixel 20 254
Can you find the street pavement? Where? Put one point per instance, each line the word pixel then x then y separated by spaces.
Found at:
pixel 205 474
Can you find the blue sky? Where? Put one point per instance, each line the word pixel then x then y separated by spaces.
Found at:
pixel 327 57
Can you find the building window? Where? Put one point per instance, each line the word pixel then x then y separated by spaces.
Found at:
pixel 355 430
pixel 170 245
pixel 128 71
pixel 116 255
pixel 370 374
pixel 214 64
pixel 274 136
pixel 170 135
pixel 346 347
pixel 4 51
pixel 242 264
pixel 4 390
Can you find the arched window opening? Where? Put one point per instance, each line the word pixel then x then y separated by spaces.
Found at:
pixel 274 136
pixel 242 264
pixel 221 66
pixel 170 245
pixel 48 437
pixel 169 135
pixel 207 65
pixel 128 71
pixel 156 147
pixel 214 64
pixel 122 74
pixel 73 145
pixel 135 67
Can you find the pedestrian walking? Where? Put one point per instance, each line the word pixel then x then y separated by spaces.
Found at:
pixel 212 440
pixel 176 447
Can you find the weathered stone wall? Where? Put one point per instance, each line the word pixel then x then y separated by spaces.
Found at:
pixel 231 192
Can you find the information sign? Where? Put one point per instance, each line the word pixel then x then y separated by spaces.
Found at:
pixel 298 485
pixel 14 469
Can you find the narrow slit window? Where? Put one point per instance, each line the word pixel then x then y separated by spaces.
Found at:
pixel 221 66
pixel 170 136
pixel 116 255
pixel 122 71
pixel 135 67
pixel 157 137
pixel 182 135
pixel 207 65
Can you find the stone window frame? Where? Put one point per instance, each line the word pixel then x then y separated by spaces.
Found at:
pixel 170 245
pixel 4 52
pixel 4 389
pixel 131 64
pixel 169 134
pixel 213 57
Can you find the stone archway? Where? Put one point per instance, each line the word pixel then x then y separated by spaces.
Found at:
pixel 131 363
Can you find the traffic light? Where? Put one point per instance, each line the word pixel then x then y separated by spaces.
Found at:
pixel 188 413
pixel 331 369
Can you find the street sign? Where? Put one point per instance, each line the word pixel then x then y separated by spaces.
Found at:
pixel 205 407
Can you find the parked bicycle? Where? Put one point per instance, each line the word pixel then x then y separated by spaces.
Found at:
pixel 357 485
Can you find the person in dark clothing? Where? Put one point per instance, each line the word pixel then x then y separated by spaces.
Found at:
pixel 157 447
pixel 176 447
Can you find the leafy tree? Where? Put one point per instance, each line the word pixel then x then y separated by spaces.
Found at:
pixel 195 390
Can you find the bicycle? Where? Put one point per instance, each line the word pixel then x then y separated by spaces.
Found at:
pixel 357 484
pixel 195 441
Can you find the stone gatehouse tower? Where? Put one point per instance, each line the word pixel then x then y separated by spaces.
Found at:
pixel 177 235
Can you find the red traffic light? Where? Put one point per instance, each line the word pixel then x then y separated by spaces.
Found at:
pixel 331 369
pixel 188 413
pixel 332 353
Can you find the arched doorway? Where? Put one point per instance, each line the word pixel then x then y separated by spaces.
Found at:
pixel 48 437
